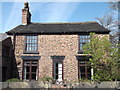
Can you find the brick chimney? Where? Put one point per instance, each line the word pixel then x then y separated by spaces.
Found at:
pixel 26 15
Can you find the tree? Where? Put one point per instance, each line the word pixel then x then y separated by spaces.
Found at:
pixel 113 24
pixel 106 20
pixel 114 5
pixel 109 22
pixel 104 57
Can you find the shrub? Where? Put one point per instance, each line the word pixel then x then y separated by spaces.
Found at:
pixel 104 57
pixel 44 79
pixel 84 80
pixel 13 80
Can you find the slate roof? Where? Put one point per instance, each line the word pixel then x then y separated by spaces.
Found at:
pixel 59 28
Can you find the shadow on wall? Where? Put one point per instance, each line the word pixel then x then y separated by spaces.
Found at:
pixel 9 66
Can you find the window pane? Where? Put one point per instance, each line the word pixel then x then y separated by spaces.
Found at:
pixel 82 69
pixel 55 77
pixel 56 65
pixel 27 63
pixel 83 76
pixel 28 44
pixel 83 40
pixel 31 43
pixel 58 71
pixel 35 48
pixel 89 76
pixel 81 46
pixel 34 68
pixel 33 76
pixel 82 62
pixel 60 68
pixel 88 69
pixel 60 77
pixel 27 76
pixel 60 65
pixel 27 69
pixel 30 48
pixel 33 37
pixel 34 62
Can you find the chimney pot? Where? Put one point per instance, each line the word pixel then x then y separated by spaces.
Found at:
pixel 26 15
pixel 26 5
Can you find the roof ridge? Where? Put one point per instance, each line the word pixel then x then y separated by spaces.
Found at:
pixel 66 22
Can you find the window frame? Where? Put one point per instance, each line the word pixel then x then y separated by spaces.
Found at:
pixel 86 70
pixel 25 45
pixel 30 72
pixel 58 61
pixel 81 50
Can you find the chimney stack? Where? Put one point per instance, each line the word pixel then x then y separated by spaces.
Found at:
pixel 26 15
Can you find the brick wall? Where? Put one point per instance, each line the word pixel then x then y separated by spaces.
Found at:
pixel 49 45
pixel 66 45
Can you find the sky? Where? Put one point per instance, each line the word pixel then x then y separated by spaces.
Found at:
pixel 43 12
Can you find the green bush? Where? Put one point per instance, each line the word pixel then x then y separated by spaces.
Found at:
pixel 44 79
pixel 13 80
pixel 84 80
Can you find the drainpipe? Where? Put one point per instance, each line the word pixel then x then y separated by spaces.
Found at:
pixel 14 38
pixel 13 56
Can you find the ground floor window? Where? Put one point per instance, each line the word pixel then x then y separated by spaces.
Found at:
pixel 30 70
pixel 57 70
pixel 84 69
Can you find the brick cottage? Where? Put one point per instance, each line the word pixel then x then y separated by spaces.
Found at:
pixel 52 49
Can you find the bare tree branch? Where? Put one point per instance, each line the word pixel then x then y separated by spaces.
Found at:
pixel 114 5
pixel 106 20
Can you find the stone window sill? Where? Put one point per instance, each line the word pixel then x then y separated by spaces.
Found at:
pixel 31 52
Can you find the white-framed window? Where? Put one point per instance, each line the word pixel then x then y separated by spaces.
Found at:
pixel 31 43
pixel 83 39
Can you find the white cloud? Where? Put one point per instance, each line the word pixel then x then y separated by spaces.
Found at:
pixel 59 11
pixel 14 16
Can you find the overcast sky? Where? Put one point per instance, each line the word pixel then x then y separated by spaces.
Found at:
pixel 52 12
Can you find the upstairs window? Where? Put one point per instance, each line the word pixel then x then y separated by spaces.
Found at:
pixel 31 43
pixel 83 39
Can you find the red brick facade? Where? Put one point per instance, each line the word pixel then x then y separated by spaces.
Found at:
pixel 50 45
